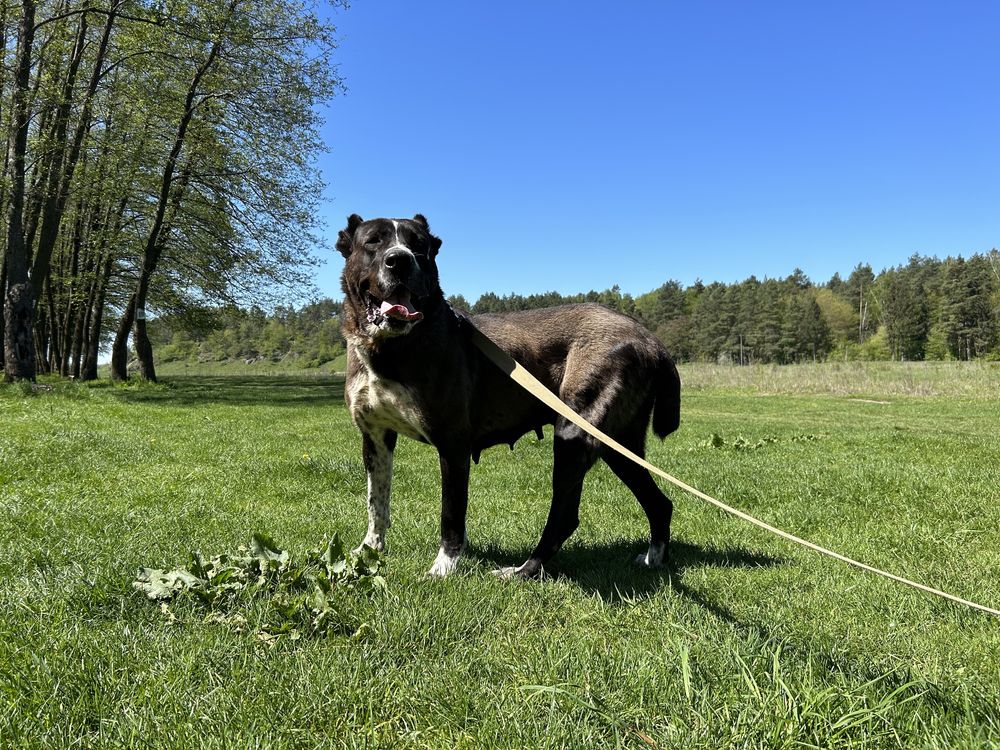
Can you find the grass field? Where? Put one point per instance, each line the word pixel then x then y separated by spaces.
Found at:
pixel 743 642
pixel 239 368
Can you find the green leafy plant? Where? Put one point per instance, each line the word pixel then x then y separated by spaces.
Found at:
pixel 741 443
pixel 300 597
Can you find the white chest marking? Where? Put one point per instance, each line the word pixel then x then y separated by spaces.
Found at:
pixel 379 404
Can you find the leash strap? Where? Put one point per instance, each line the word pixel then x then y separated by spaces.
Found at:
pixel 530 383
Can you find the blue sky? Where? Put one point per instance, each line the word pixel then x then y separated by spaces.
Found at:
pixel 576 145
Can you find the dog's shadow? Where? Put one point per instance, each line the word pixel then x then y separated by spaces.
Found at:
pixel 607 570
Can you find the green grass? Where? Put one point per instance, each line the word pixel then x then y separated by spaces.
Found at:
pixel 872 379
pixel 744 642
pixel 239 368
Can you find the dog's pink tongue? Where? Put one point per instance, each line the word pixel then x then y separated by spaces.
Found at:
pixel 399 306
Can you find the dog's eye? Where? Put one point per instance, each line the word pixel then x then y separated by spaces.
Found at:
pixel 373 240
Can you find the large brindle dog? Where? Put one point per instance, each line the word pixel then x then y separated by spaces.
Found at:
pixel 413 370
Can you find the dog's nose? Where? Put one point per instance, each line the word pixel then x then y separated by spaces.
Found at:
pixel 399 261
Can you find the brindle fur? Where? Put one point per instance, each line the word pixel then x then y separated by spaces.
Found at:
pixel 427 381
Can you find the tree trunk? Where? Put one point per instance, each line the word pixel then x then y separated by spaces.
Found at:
pixel 143 349
pixel 3 176
pixel 56 337
pixel 67 310
pixel 19 342
pixel 76 316
pixel 88 370
pixel 119 349
pixel 76 350
pixel 3 295
pixel 19 302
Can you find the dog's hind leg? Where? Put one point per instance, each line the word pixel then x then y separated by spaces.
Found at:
pixel 376 450
pixel 656 505
pixel 574 454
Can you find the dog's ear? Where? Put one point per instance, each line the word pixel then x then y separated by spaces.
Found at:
pixel 434 246
pixel 345 237
pixel 435 242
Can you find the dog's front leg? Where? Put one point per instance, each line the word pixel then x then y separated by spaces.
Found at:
pixel 376 450
pixel 454 503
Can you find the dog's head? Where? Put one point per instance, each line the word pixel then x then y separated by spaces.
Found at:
pixel 390 278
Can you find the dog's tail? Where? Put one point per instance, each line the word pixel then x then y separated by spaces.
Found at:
pixel 667 409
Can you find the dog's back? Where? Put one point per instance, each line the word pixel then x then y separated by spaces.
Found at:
pixel 594 359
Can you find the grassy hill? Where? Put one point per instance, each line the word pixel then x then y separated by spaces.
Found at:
pixel 243 368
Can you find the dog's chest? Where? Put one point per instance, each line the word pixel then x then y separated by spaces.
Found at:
pixel 378 404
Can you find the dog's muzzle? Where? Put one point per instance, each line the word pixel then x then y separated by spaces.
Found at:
pixel 396 306
pixel 396 276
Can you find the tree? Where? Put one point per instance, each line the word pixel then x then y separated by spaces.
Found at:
pixel 858 290
pixel 677 335
pixel 804 333
pixel 459 302
pixel 169 193
pixel 712 320
pixel 966 325
pixel 661 305
pixel 838 286
pixel 904 315
pixel 742 340
pixel 159 156
pixel 19 302
pixel 766 329
pixel 839 315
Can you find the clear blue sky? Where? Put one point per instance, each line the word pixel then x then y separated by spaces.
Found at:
pixel 576 145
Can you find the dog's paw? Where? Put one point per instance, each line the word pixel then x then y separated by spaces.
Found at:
pixel 654 557
pixel 525 572
pixel 444 565
pixel 377 543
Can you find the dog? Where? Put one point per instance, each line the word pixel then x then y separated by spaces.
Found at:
pixel 412 370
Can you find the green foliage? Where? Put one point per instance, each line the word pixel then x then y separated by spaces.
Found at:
pixel 662 305
pixel 905 313
pixel 926 309
pixel 741 443
pixel 306 338
pixel 840 316
pixel 301 597
pixel 876 347
pixel 174 142
pixel 493 303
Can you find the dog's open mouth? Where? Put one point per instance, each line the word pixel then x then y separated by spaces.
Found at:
pixel 396 308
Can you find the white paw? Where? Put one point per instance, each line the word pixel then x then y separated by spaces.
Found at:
pixel 377 543
pixel 444 565
pixel 512 572
pixel 652 558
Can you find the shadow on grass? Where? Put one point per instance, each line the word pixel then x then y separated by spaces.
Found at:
pixel 253 390
pixel 608 571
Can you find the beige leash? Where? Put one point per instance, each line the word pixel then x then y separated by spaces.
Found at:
pixel 531 384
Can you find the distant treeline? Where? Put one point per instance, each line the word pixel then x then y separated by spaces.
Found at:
pixel 308 337
pixel 926 309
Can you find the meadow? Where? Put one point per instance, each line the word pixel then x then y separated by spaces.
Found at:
pixel 743 641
